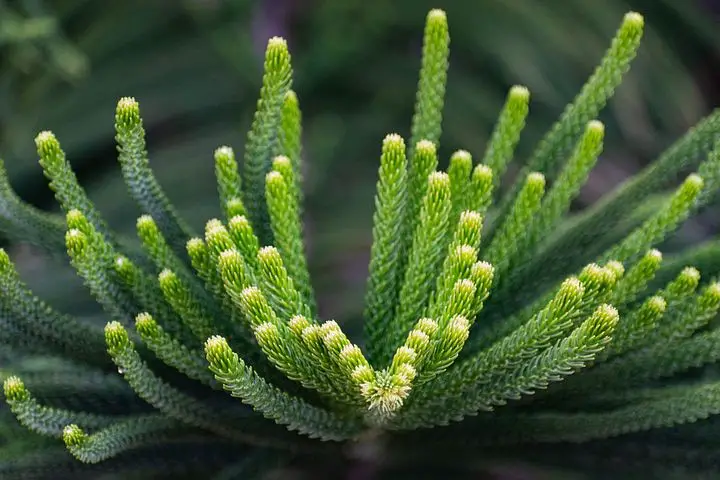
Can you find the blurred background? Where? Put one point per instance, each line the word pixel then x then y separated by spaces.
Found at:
pixel 195 67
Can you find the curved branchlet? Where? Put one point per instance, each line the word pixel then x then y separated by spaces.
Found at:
pixel 21 221
pixel 25 313
pixel 262 141
pixel 506 134
pixel 94 261
pixel 286 225
pixel 290 141
pixel 229 181
pixel 385 275
pixel 429 243
pixel 169 400
pixel 459 172
pixel 45 420
pixel 655 229
pixel 118 437
pixel 242 382
pixel 511 239
pixel 64 183
pixel 171 351
pixel 430 99
pixel 555 145
pixel 141 182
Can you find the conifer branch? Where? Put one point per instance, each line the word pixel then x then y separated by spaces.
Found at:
pixel 148 295
pixel 385 275
pixel 636 190
pixel 262 138
pixel 430 99
pixel 459 172
pixel 587 104
pixel 506 134
pixel 481 188
pixel 169 400
pixel 637 278
pixel 290 141
pixel 423 162
pixel 41 419
pixel 429 242
pixel 24 312
pixel 245 240
pixel 191 311
pixel 172 352
pixel 567 320
pixel 141 182
pixel 279 287
pixel 666 220
pixel 467 378
pixel 511 238
pixel 119 437
pixel 286 225
pixel 91 257
pixel 64 183
pixel 22 221
pixel 241 381
pixel 228 180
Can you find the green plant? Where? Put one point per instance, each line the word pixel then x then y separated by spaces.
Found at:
pixel 475 300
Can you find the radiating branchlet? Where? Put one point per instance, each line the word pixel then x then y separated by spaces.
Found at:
pixel 386 262
pixel 505 136
pixel 228 177
pixel 459 171
pixel 481 188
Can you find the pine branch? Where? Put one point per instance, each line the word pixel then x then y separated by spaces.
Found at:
pixel 119 437
pixel 506 134
pixel 587 104
pixel 658 226
pixel 429 242
pixel 141 182
pixel 459 172
pixel 565 319
pixel 45 420
pixel 89 255
pixel 427 119
pixel 290 141
pixel 63 182
pixel 286 225
pixel 24 312
pixel 467 379
pixel 228 180
pixel 241 381
pixel 21 221
pixel 385 275
pixel 173 403
pixel 262 138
